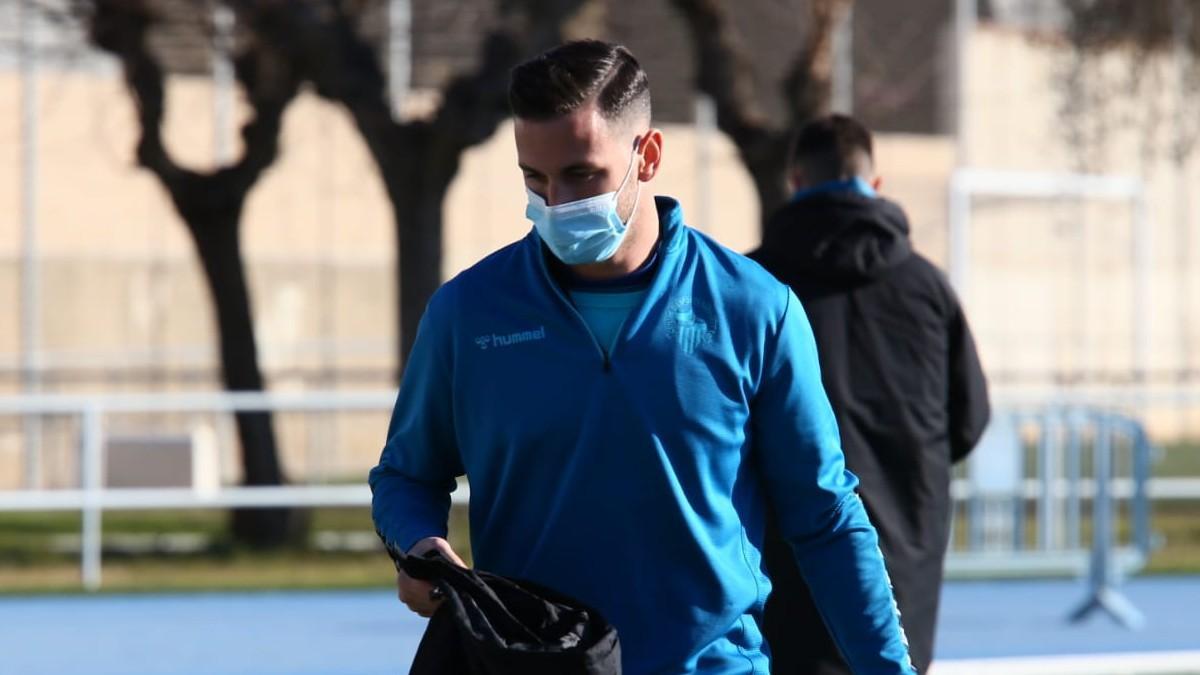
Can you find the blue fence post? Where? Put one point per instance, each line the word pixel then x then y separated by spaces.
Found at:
pixel 1075 428
pixel 1018 498
pixel 1142 451
pixel 1047 508
pixel 1102 592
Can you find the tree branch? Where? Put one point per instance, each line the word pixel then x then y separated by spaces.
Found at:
pixel 474 104
pixel 724 71
pixel 809 83
pixel 120 27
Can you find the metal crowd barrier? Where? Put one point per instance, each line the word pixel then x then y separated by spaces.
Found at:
pixel 1042 496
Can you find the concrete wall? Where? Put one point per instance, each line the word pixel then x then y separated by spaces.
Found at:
pixel 120 287
pixel 1052 283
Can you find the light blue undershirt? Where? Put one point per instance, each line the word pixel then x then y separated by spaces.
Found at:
pixel 605 312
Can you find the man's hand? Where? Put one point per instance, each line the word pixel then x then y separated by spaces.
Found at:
pixel 419 595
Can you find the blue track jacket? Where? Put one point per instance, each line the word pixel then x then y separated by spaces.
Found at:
pixel 637 480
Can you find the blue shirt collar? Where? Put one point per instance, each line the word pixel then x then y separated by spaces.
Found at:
pixel 635 280
pixel 855 185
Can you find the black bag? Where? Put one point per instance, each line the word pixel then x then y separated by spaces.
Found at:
pixel 491 625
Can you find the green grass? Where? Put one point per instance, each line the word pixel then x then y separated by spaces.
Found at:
pixel 1179 459
pixel 239 571
pixel 30 564
pixel 1178 523
pixel 1175 524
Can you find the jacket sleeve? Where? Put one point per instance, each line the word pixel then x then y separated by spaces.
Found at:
pixel 819 512
pixel 417 470
pixel 968 405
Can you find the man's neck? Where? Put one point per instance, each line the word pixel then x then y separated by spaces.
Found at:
pixel 634 251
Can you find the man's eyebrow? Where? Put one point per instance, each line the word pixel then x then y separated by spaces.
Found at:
pixel 584 166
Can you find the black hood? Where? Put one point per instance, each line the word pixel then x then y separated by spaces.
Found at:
pixel 838 236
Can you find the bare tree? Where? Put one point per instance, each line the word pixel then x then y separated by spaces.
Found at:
pixel 726 73
pixel 418 158
pixel 281 46
pixel 1145 30
pixel 210 204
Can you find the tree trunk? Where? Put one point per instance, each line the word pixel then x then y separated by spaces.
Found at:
pixel 219 249
pixel 419 242
pixel 211 206
pixel 767 166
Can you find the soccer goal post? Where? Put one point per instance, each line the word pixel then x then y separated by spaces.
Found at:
pixel 1122 196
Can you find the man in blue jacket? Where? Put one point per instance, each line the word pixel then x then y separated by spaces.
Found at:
pixel 625 397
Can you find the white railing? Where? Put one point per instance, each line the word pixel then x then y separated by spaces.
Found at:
pixel 92 498
pixel 242 401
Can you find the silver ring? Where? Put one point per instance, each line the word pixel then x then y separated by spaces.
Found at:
pixel 436 593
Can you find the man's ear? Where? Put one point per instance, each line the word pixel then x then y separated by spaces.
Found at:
pixel 877 183
pixel 650 147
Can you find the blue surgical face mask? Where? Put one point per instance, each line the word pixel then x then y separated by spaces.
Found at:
pixel 584 231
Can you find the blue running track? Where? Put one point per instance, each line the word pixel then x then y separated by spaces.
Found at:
pixel 369 632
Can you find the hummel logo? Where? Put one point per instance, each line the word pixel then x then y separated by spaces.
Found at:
pixel 494 340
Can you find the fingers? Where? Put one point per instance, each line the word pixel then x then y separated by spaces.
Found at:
pixel 419 596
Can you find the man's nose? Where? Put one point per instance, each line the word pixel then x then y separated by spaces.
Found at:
pixel 560 193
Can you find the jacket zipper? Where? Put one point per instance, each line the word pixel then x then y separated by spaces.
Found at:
pixel 605 354
pixel 606 361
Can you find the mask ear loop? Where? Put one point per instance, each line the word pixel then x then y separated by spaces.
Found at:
pixel 628 172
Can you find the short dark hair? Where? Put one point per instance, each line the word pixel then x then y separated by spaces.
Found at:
pixel 834 147
pixel 565 78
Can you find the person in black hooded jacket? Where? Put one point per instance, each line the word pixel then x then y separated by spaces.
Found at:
pixel 900 367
